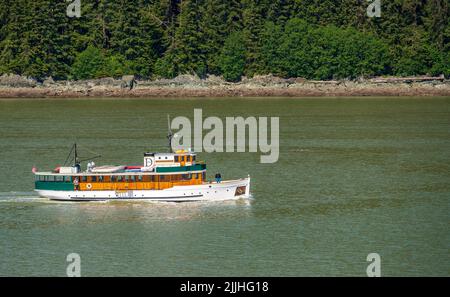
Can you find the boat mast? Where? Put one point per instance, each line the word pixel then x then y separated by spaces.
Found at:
pixel 76 162
pixel 169 135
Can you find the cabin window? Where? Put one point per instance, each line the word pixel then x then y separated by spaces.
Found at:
pixel 162 178
pixel 100 178
pixel 140 178
pixel 93 179
pixel 113 178
pixel 177 159
pixel 149 178
pixel 133 178
pixel 193 158
pixel 204 176
pixel 165 158
pixel 84 179
pixel 187 176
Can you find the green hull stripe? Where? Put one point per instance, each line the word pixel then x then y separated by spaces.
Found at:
pixel 184 168
pixel 55 186
pixel 67 186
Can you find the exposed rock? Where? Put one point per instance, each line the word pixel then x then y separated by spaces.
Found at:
pixel 410 79
pixel 128 82
pixel 265 80
pixel 214 86
pixel 48 82
pixel 187 79
pixel 215 80
pixel 17 81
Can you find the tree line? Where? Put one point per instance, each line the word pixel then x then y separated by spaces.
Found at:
pixel 313 39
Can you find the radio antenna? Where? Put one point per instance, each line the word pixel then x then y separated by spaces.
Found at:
pixel 170 134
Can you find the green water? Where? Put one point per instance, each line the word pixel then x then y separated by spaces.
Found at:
pixel 355 176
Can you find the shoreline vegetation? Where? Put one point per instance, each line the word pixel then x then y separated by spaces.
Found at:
pixel 16 86
pixel 212 48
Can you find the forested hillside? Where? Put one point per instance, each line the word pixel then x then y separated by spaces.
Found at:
pixel 314 39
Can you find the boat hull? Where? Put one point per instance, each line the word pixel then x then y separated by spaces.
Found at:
pixel 227 190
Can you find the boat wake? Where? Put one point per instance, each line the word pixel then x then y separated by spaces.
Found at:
pixel 26 197
pixel 14 196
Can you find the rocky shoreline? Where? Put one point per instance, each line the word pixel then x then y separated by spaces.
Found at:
pixel 15 86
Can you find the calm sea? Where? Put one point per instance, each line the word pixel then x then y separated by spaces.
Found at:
pixel 355 176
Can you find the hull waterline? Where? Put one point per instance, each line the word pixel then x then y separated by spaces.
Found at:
pixel 227 190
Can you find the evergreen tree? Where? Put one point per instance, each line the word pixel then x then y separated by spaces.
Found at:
pixel 232 58
pixel 219 18
pixel 253 17
pixel 189 55
pixel 89 64
pixel 152 38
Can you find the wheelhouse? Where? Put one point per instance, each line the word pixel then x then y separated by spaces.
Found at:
pixel 160 171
